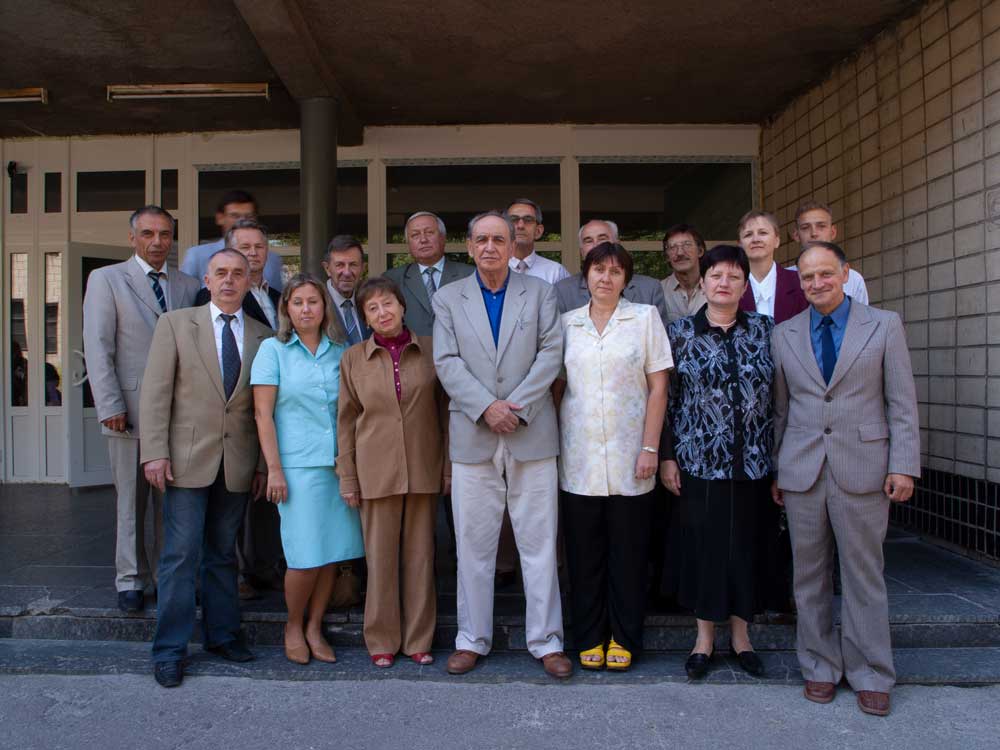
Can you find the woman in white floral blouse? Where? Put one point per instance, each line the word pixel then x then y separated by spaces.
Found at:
pixel 616 360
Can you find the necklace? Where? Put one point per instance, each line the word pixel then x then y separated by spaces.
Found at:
pixel 719 324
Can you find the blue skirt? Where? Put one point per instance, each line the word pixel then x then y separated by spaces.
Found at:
pixel 317 526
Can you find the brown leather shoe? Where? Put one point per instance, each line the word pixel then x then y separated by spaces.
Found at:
pixel 462 661
pixel 874 703
pixel 557 664
pixel 820 692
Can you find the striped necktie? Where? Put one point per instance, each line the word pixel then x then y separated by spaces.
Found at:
pixel 350 322
pixel 154 276
pixel 429 281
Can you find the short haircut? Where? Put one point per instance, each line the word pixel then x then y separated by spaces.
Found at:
pixel 150 210
pixel 751 215
pixel 606 251
pixel 812 206
pixel 235 196
pixel 244 224
pixel 733 254
pixel 377 285
pixel 684 229
pixel 343 242
pixel 485 215
pixel 331 325
pixel 833 247
pixel 228 251
pixel 418 214
pixel 527 202
pixel 611 225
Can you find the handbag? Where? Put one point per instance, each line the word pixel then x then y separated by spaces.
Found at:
pixel 346 588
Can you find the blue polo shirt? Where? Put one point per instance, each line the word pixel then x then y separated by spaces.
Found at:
pixel 839 316
pixel 494 305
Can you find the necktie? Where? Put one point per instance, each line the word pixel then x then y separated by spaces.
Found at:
pixel 429 281
pixel 521 267
pixel 230 357
pixel 154 276
pixel 828 352
pixel 350 322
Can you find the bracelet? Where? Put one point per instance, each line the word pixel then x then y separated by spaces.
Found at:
pixel 649 449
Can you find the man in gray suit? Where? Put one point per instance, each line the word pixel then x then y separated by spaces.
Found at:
pixel 497 349
pixel 847 444
pixel 573 292
pixel 120 310
pixel 425 236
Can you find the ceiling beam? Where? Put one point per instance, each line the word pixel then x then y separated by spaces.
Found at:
pixel 282 31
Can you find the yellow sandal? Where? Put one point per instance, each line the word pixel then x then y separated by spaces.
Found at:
pixel 615 649
pixel 597 650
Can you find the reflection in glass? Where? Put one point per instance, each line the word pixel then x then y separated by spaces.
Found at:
pixel 18 329
pixel 53 332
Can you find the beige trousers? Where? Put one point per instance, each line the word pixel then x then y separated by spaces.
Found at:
pixel 136 557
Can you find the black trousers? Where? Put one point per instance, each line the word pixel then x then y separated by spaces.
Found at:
pixel 607 549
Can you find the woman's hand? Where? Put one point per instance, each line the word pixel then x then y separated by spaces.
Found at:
pixel 353 499
pixel 670 475
pixel 645 465
pixel 277 488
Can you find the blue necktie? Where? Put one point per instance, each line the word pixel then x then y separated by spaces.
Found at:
pixel 351 323
pixel 154 276
pixel 828 352
pixel 230 357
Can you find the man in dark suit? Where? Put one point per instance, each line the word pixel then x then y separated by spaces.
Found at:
pixel 344 264
pixel 258 544
pixel 425 236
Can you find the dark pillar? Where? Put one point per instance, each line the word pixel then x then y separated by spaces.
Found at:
pixel 317 179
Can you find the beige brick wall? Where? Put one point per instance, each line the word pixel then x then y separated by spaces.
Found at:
pixel 903 141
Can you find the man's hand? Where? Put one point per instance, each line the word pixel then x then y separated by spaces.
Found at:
pixel 898 487
pixel 776 494
pixel 500 416
pixel 158 473
pixel 670 475
pixel 116 423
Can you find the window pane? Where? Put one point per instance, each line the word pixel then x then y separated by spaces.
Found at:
pixel 651 263
pixel 53 192
pixel 53 333
pixel 89 264
pixel 457 192
pixel 168 189
pixel 110 191
pixel 645 199
pixel 277 194
pixel 19 193
pixel 19 329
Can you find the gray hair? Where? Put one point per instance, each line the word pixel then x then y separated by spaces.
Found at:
pixel 527 202
pixel 228 251
pixel 485 215
pixel 418 214
pixel 150 210
pixel 611 224
pixel 244 224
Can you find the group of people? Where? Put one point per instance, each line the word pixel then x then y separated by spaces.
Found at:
pixel 532 397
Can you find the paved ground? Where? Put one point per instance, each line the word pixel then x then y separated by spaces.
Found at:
pixel 108 712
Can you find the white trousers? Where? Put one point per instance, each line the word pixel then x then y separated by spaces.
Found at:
pixel 479 493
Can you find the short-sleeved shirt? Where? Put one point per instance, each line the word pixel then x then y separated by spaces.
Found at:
pixel 603 411
pixel 305 410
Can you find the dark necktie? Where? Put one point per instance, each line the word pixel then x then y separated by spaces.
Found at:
pixel 230 357
pixel 350 322
pixel 154 276
pixel 429 281
pixel 828 353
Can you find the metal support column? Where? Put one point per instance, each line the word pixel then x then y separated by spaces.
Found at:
pixel 317 179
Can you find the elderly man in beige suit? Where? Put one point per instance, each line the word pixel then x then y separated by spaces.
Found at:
pixel 120 310
pixel 199 444
pixel 497 349
pixel 847 444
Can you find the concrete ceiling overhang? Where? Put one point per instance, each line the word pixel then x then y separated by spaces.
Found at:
pixel 395 62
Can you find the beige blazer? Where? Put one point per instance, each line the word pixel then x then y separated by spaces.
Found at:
pixel 475 372
pixel 184 412
pixel 864 422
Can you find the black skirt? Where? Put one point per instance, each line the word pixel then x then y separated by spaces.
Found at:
pixel 716 558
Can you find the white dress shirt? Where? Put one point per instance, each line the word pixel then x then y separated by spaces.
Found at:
pixel 539 267
pixel 855 288
pixel 764 291
pixel 438 270
pixel 338 303
pixel 164 282
pixel 218 324
pixel 264 300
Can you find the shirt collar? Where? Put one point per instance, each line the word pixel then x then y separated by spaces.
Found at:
pixel 338 298
pixel 371 345
pixel 702 326
pixel 324 344
pixel 216 312
pixel 439 267
pixel 487 289
pixel 146 268
pixel 581 316
pixel 839 315
pixel 528 261
pixel 263 286
pixel 767 286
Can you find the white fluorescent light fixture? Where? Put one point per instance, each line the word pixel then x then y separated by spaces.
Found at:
pixel 118 92
pixel 38 95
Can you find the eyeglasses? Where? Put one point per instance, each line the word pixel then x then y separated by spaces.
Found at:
pixel 527 219
pixel 680 247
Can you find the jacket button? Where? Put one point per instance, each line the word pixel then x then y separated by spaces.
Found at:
pixel 499 379
pixel 828 398
pixel 827 431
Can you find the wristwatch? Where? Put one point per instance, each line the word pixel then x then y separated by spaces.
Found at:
pixel 649 449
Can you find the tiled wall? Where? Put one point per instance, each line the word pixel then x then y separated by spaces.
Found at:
pixel 903 141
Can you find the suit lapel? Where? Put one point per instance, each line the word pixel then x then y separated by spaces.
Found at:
pixel 140 285
pixel 175 292
pixel 251 343
pixel 204 336
pixel 513 304
pixel 414 282
pixel 860 327
pixel 252 308
pixel 800 342
pixel 747 302
pixel 475 310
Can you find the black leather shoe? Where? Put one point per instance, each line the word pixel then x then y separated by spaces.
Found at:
pixel 168 673
pixel 130 601
pixel 232 651
pixel 749 662
pixel 696 665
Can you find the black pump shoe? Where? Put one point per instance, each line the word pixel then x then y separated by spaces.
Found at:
pixel 749 662
pixel 696 665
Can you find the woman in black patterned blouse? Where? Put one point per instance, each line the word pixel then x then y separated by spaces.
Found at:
pixel 715 453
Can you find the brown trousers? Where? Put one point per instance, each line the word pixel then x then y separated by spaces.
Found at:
pixel 400 604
